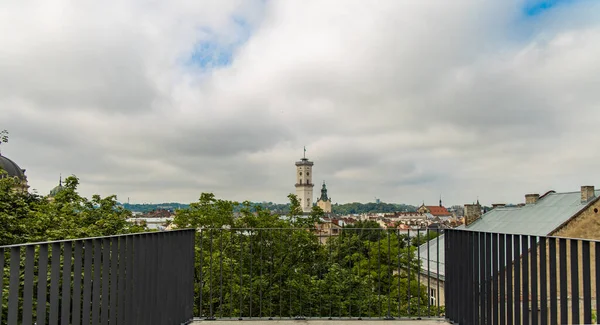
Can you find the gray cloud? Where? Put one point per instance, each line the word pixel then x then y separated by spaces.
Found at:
pixel 400 100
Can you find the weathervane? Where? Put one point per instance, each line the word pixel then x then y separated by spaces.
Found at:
pixel 304 152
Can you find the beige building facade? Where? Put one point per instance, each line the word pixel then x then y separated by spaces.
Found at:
pixel 324 202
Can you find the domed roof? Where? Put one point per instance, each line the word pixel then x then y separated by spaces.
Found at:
pixel 12 168
pixel 57 189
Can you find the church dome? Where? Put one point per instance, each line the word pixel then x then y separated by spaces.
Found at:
pixel 57 189
pixel 11 168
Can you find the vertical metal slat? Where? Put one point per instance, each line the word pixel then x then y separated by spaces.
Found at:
pixel 66 285
pixel 534 279
pixel 563 279
pixel 587 283
pixel 55 283
pixel 553 284
pixel 574 280
pixel 525 278
pixel 509 281
pixel 13 289
pixel 105 280
pixel 77 257
pixel 97 282
pixel 121 283
pixel 42 285
pixel 87 281
pixel 114 260
pixel 517 277
pixel 495 274
pixel 543 282
pixel 28 285
pixel 502 275
pixel 1 283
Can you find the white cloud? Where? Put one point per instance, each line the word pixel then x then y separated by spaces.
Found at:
pixel 402 100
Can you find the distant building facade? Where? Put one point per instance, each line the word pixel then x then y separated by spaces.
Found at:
pixel 304 184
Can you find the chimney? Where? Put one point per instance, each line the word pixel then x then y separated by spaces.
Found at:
pixel 587 193
pixel 472 213
pixel 531 198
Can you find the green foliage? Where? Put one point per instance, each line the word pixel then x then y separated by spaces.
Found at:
pixel 423 237
pixel 3 136
pixel 284 208
pixel 26 217
pixel 281 268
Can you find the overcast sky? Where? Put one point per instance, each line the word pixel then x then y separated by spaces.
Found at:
pixel 405 101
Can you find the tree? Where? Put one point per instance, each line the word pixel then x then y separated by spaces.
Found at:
pixel 3 136
pixel 26 217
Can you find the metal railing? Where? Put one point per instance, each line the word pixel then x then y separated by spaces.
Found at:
pixel 510 279
pixel 144 278
pixel 293 273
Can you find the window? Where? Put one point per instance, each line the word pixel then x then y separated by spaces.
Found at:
pixel 300 173
pixel 307 174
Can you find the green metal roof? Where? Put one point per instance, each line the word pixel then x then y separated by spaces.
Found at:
pixel 538 219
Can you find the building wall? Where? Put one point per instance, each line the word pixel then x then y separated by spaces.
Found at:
pixel 304 186
pixel 585 225
pixel 433 285
pixel 325 205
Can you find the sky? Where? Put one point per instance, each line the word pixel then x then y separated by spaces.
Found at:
pixel 404 101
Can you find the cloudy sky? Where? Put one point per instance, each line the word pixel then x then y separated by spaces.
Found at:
pixel 160 101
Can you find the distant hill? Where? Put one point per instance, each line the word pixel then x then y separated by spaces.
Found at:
pixel 152 207
pixel 358 208
pixel 278 208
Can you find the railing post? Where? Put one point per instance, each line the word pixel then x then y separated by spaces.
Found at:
pixel 475 282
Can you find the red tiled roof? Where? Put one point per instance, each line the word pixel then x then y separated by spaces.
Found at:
pixel 438 211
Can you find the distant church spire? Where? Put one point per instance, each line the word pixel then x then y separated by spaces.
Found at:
pixel 440 200
pixel 60 180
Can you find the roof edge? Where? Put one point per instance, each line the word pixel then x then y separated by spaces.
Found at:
pixel 562 225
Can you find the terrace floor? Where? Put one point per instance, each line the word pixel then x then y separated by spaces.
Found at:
pixel 327 322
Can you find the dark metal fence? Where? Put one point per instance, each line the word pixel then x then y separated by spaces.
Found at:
pixel 144 278
pixel 502 279
pixel 287 273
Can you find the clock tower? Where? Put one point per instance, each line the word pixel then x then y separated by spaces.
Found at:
pixel 304 184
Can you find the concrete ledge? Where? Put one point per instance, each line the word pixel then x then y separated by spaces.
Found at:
pixel 326 322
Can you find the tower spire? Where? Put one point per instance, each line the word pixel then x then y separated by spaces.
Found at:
pixel 440 200
pixel 60 180
pixel 304 156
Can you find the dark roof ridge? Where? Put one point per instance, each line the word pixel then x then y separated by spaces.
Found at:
pixel 547 193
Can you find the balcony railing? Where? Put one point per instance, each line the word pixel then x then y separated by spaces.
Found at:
pixel 287 273
pixel 142 278
pixel 168 277
pixel 519 279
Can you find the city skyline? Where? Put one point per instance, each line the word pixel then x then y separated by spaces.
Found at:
pixel 161 102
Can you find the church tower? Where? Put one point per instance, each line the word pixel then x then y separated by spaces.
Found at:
pixel 324 202
pixel 304 184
